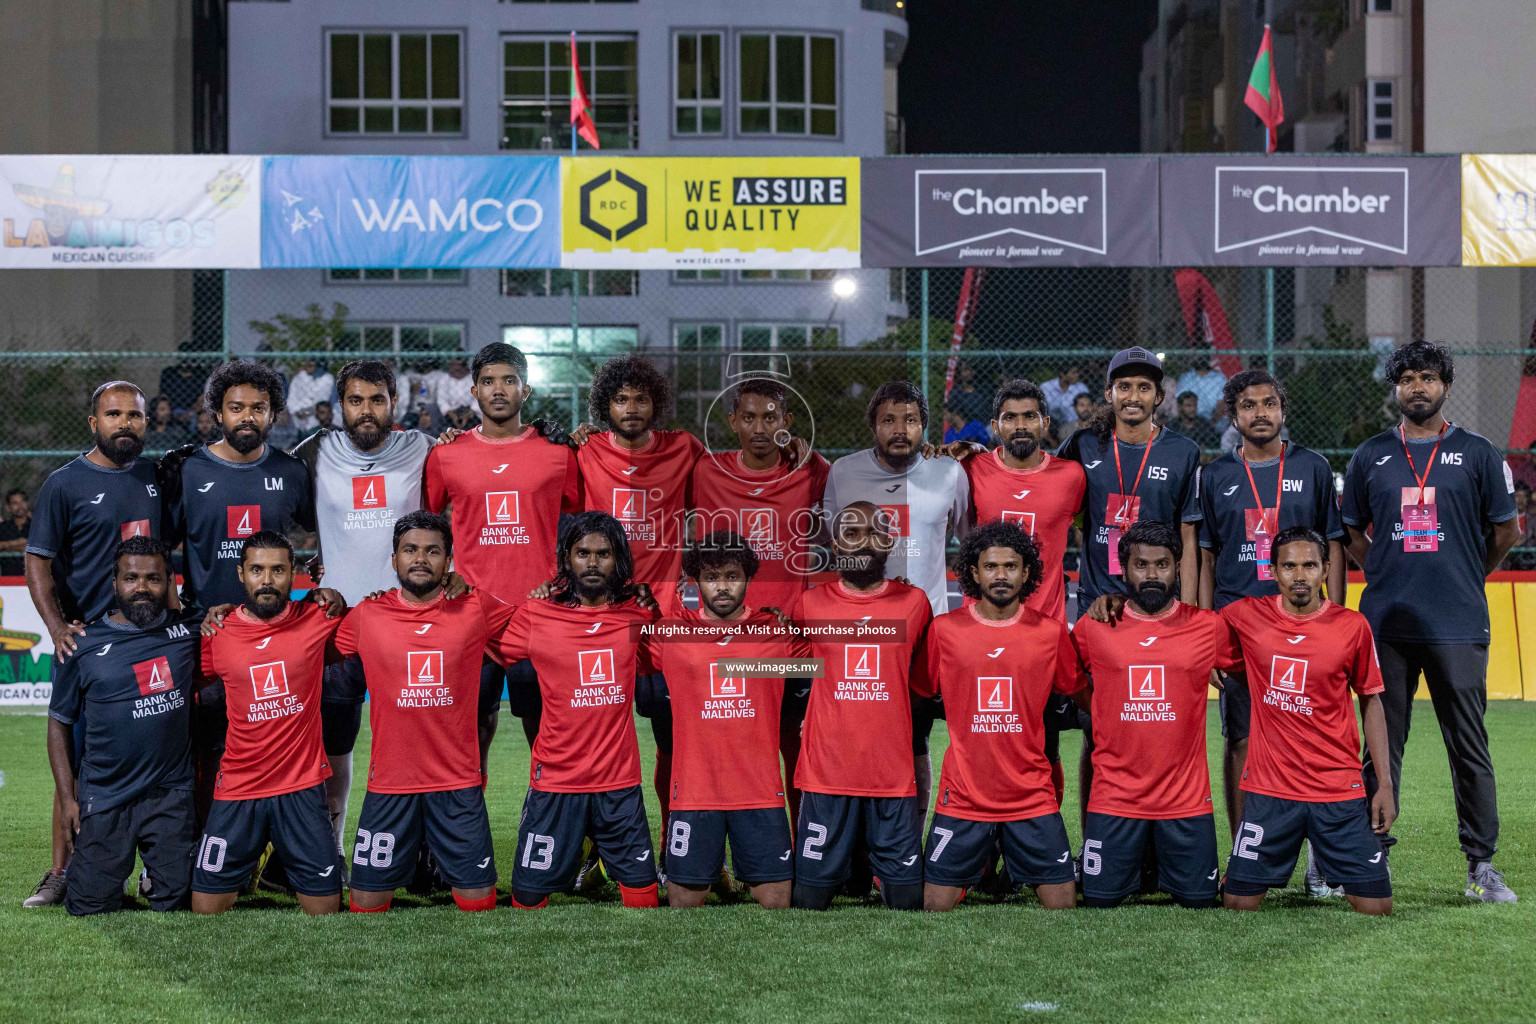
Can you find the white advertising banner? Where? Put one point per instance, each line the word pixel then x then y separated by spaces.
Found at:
pixel 26 651
pixel 156 212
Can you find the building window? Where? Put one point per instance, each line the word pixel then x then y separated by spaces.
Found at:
pixel 560 378
pixel 700 357
pixel 767 337
pixel 395 83
pixel 787 84
pixel 1381 6
pixel 536 90
pixel 405 275
pixel 896 285
pixel 786 275
pixel 697 276
pixel 545 283
pixel 699 100
pixel 1381 120
pixel 395 340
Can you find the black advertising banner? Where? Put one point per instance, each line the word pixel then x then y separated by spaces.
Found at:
pixel 1311 210
pixel 1010 211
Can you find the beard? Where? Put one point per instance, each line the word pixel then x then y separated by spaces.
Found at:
pixel 368 433
pixel 122 447
pixel 590 588
pixel 270 608
pixel 898 460
pixel 1001 594
pixel 245 439
pixel 143 610
pixel 418 586
pixel 1153 596
pixel 1422 414
pixel 863 567
pixel 1022 446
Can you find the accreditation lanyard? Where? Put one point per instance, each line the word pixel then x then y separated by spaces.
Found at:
pixel 1124 509
pixel 1260 528
pixel 1421 520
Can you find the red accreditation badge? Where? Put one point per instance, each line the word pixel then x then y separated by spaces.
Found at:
pixel 1421 528
pixel 1120 511
pixel 1262 525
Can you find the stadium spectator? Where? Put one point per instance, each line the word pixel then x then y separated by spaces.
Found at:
pixel 312 385
pixel 1516 559
pixel 324 418
pixel 425 377
pixel 967 397
pixel 461 418
pixel 452 390
pixel 1192 424
pixel 164 431
pixel 13 531
pixel 284 434
pixel 1082 412
pixel 1206 382
pixel 182 383
pixel 207 428
pixel 958 428
pixel 1061 394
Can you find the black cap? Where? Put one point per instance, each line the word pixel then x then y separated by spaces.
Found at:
pixel 1135 362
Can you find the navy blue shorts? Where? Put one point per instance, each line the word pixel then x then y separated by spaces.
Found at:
pixel 160 826
pixel 761 847
pixel 1236 706
pixel 391 829
pixel 1115 847
pixel 1269 839
pixel 1036 850
pixel 550 835
pixel 831 825
pixel 298 825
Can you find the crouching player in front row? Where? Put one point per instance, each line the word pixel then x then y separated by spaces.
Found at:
pixel 997 664
pixel 1303 776
pixel 1150 670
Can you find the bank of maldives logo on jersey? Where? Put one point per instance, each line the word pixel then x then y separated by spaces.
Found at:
pixel 154 676
pixel 725 686
pixel 1288 675
pixel 270 680
pixel 628 504
pixel 1023 520
pixel 501 508
pixel 596 667
pixel 757 525
pixel 994 693
pixel 424 668
pixel 243 520
pixel 861 661
pixel 137 528
pixel 1147 682
pixel 897 522
pixel 368 492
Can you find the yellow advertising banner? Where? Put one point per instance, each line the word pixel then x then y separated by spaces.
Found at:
pixel 1498 210
pixel 710 212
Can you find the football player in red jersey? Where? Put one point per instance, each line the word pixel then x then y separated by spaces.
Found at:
pixel 856 771
pixel 421 657
pixel 507 483
pixel 588 643
pixel 1303 778
pixel 1150 672
pixel 725 778
pixel 270 657
pixel 769 493
pixel 996 663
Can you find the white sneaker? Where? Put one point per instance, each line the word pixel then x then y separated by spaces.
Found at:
pixel 1317 888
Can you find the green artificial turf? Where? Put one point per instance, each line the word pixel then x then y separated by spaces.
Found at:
pixel 1440 957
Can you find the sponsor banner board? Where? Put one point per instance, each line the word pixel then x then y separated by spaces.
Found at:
pixel 710 212
pixel 1498 210
pixel 1307 210
pixel 424 211
pixel 154 212
pixel 1010 211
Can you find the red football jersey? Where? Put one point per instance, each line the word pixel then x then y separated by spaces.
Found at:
pixel 1304 742
pixel 646 490
pixel 1042 501
pixel 1151 679
pixel 725 730
pixel 586 659
pixel 857 738
pixel 507 495
pixel 776 510
pixel 996 678
pixel 272 672
pixel 422 662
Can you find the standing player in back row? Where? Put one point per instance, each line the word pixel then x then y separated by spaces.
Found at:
pixel 1430 510
pixel 1247 496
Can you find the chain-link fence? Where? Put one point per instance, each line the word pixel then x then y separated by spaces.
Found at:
pixel 832 335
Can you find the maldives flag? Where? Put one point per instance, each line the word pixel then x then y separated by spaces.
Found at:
pixel 1263 97
pixel 581 107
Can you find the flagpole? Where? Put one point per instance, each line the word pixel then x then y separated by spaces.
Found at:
pixel 575 319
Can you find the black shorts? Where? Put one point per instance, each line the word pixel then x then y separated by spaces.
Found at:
pixel 925 711
pixel 453 822
pixel 298 825
pixel 654 702
pixel 831 825
pixel 1114 849
pixel 1236 705
pixel 160 826
pixel 761 847
pixel 549 839
pixel 1036 850
pixel 1269 839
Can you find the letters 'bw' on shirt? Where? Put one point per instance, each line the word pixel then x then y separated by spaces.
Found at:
pixel 586 660
pixel 134 689
pixel 272 671
pixel 725 729
pixel 1151 675
pixel 857 738
pixel 1304 742
pixel 646 489
pixel 1166 491
pixel 775 510
pixel 422 663
pixel 507 495
pixel 1043 502
pixel 1428 597
pixel 996 678
pixel 82 512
